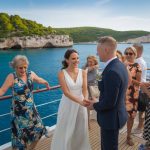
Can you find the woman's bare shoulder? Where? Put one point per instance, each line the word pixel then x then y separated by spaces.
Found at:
pixel 61 73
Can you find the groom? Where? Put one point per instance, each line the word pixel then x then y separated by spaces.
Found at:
pixel 111 111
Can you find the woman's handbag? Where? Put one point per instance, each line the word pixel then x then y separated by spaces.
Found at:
pixel 94 91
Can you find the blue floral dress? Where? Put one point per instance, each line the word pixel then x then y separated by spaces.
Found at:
pixel 26 125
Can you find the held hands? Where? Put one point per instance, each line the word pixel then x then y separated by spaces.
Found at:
pixel 85 103
pixel 89 103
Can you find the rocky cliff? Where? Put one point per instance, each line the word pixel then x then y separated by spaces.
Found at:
pixel 142 39
pixel 48 41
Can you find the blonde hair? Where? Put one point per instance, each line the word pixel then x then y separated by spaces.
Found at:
pixel 94 58
pixel 17 60
pixel 108 40
pixel 133 50
pixel 120 55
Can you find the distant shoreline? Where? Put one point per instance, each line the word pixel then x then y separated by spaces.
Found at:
pixel 94 43
pixel 87 43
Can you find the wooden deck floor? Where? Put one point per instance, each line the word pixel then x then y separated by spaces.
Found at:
pixel 44 144
pixel 95 139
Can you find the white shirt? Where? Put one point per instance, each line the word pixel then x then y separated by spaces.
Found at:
pixel 107 62
pixel 143 66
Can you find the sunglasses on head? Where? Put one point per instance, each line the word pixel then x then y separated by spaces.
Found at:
pixel 128 53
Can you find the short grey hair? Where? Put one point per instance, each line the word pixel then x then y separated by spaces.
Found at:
pixel 108 40
pixel 17 60
pixel 139 46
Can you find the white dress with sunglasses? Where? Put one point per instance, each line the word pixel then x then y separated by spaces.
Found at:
pixel 71 131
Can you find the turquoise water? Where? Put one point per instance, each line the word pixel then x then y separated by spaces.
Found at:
pixel 46 63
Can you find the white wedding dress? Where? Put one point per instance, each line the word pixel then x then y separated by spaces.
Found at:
pixel 71 131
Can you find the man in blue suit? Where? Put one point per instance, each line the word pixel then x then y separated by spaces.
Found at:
pixel 111 111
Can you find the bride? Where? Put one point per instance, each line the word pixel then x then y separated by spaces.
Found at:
pixel 71 131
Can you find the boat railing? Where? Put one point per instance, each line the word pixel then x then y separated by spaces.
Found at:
pixel 43 104
pixel 148 75
pixel 35 91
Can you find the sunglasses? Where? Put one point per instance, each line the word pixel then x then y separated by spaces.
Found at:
pixel 128 53
pixel 22 68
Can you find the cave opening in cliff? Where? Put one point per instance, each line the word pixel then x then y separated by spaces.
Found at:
pixel 48 45
pixel 16 46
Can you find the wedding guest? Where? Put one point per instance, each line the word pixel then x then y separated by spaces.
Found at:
pixel 26 125
pixel 142 100
pixel 91 67
pixel 71 131
pixel 120 56
pixel 133 90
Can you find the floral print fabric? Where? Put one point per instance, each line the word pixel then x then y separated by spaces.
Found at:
pixel 26 125
pixel 132 91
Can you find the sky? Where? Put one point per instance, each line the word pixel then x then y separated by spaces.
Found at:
pixel 120 15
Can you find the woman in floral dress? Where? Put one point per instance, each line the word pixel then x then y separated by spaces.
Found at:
pixel 133 89
pixel 26 125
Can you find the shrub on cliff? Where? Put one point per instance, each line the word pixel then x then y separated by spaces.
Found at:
pixel 14 25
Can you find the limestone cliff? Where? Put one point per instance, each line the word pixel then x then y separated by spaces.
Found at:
pixel 48 41
pixel 142 39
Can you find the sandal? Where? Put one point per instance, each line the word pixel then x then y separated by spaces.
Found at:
pixel 130 141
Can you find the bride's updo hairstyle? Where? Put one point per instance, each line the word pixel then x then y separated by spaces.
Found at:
pixel 66 56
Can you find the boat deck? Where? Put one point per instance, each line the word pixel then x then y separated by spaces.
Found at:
pixel 44 143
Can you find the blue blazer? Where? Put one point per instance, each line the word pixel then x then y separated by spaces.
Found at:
pixel 111 110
